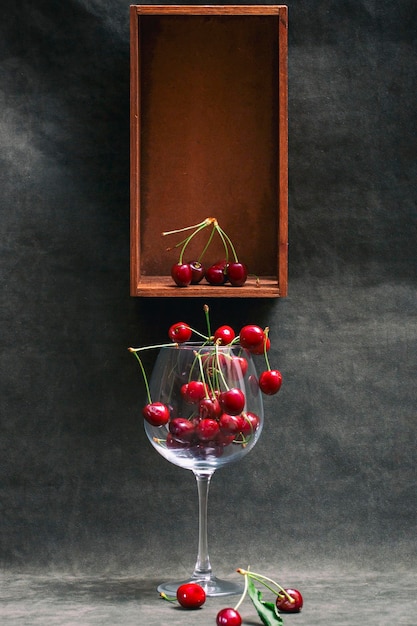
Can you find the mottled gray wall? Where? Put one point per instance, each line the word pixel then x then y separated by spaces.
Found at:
pixel 334 474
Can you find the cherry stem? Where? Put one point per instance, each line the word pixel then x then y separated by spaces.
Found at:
pixel 145 378
pixel 229 241
pixel 264 580
pixel 161 345
pixel 165 597
pixel 266 332
pixel 213 230
pixel 223 238
pixel 188 239
pixel 207 315
pixel 206 222
pixel 200 365
pixel 245 591
pixel 219 369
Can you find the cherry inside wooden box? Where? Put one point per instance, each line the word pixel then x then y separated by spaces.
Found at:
pixel 209 138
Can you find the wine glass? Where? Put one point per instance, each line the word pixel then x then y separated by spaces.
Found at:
pixel 216 417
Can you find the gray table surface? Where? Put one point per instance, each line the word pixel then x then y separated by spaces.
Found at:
pixel 332 596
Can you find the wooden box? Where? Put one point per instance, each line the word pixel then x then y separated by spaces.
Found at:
pixel 209 139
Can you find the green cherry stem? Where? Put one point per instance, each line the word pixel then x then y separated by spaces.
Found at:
pixel 187 241
pixel 266 333
pixel 229 241
pixel 145 378
pixel 219 369
pixel 207 315
pixel 165 597
pixel 221 234
pixel 265 580
pixel 243 596
pixel 213 230
pixel 206 222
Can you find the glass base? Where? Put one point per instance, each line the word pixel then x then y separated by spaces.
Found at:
pixel 212 586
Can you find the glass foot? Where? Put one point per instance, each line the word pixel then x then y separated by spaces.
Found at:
pixel 212 586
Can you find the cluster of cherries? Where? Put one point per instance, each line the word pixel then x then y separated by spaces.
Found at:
pixel 221 272
pixel 219 419
pixel 193 596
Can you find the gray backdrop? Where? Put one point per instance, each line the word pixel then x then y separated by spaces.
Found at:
pixel 333 477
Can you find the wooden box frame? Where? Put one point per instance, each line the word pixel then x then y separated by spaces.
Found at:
pixel 209 137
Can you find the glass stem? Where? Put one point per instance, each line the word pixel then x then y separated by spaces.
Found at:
pixel 202 568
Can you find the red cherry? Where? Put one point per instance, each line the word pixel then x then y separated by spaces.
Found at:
pixel 181 429
pixel 260 348
pixel 209 407
pixel 156 413
pixel 181 274
pixel 228 617
pixel 191 595
pixel 230 424
pixel 194 391
pixel 251 336
pixel 180 332
pixel 237 273
pixel 216 273
pixel 197 272
pixel 207 429
pixel 224 335
pixel 238 367
pixel 232 401
pixel 270 382
pixel 249 423
pixel 284 605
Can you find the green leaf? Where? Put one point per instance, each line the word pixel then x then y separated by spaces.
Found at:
pixel 267 611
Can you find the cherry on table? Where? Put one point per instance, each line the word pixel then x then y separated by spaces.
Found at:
pixel 284 604
pixel 228 617
pixel 197 272
pixel 191 595
pixel 181 274
pixel 237 274
pixel 216 273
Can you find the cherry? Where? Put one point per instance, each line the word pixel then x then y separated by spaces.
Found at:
pixel 237 274
pixel 209 407
pixel 194 391
pixel 224 335
pixel 180 332
pixel 156 413
pixel 249 424
pixel 284 604
pixel 232 401
pixel 251 336
pixel 228 617
pixel 239 367
pixel 260 348
pixel 191 595
pixel 215 274
pixel 181 429
pixel 181 274
pixel 230 424
pixel 270 382
pixel 207 429
pixel 197 272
